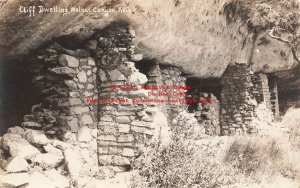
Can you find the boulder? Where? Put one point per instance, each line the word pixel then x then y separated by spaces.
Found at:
pixel 47 160
pixel 51 149
pixel 57 179
pixel 86 119
pixel 36 137
pixel 73 163
pixel 102 75
pixel 31 124
pixel 17 146
pixel 16 130
pixel 61 145
pixel 65 71
pixel 67 60
pixel 16 164
pixel 136 57
pixel 116 75
pixel 84 134
pixel 73 125
pixel 14 180
pixel 137 78
pixel 37 180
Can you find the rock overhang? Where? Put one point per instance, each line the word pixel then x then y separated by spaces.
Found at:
pixel 200 38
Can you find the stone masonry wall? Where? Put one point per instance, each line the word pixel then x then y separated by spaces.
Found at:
pixel 274 98
pixel 127 124
pixel 260 89
pixel 236 100
pixel 85 102
pixel 208 113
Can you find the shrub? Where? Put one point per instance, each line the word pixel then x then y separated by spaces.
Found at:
pixel 256 155
pixel 182 164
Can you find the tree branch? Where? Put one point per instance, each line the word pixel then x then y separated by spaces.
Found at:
pixel 292 43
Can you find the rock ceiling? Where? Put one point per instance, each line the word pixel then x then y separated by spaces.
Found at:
pixel 197 36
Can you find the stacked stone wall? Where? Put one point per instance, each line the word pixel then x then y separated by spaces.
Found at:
pixel 236 100
pixel 208 113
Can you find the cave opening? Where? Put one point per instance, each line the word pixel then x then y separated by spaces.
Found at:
pixel 17 93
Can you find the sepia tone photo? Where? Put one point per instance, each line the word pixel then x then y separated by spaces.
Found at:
pixel 150 94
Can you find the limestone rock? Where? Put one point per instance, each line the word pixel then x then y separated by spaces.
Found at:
pixel 16 130
pixel 57 179
pixel 73 125
pixel 136 57
pixel 36 137
pixel 31 124
pixel 65 71
pixel 84 134
pixel 123 119
pixel 51 149
pixel 67 60
pixel 73 163
pixel 137 78
pixel 128 152
pixel 116 75
pixel 82 77
pixel 61 145
pixel 37 179
pixel 102 75
pixel 16 164
pixel 113 160
pixel 14 180
pixel 17 146
pixel 47 160
pixel 124 128
pixel 91 61
pixel 86 119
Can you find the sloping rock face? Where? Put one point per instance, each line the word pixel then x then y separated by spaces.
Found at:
pixel 203 38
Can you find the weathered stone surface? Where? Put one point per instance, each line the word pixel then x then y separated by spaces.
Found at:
pixel 123 119
pixel 36 137
pixel 51 149
pixel 102 75
pixel 16 164
pixel 86 119
pixel 124 128
pixel 73 163
pixel 116 75
pixel 113 160
pixel 67 60
pixel 128 152
pixel 16 130
pixel 17 146
pixel 136 57
pixel 73 125
pixel 82 76
pixel 38 179
pixel 65 71
pixel 47 160
pixel 107 138
pixel 84 134
pixel 126 138
pixel 61 145
pixel 31 124
pixel 58 180
pixel 14 180
pixel 91 61
pixel 137 78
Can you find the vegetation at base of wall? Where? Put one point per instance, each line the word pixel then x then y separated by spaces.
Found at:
pixel 255 161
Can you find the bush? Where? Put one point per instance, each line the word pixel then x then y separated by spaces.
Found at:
pixel 182 164
pixel 259 156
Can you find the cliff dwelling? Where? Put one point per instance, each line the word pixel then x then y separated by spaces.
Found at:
pixel 89 98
